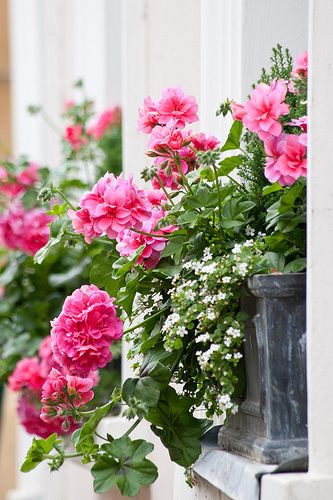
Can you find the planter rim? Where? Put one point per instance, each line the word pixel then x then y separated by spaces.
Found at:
pixel 277 284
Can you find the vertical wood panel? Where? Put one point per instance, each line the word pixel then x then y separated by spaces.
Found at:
pixel 4 80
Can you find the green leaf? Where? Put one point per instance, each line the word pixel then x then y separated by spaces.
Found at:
pixel 47 249
pixel 153 366
pixel 124 265
pixel 141 392
pixel 229 164
pixel 233 212
pixel 101 273
pixel 188 219
pixel 275 261
pixel 296 266
pixel 58 210
pixel 123 463
pixel 207 173
pixel 38 449
pixel 84 438
pixel 126 295
pixel 233 140
pixel 174 246
pixel 180 432
pixel 272 188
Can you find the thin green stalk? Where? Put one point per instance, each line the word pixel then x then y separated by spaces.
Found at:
pixel 100 437
pixel 132 328
pixel 90 412
pixel 64 197
pixel 186 183
pixel 70 455
pixel 218 191
pixel 157 236
pixel 131 429
pixel 164 190
pixel 50 123
pixel 236 182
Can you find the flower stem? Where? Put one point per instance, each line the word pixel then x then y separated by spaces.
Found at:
pixel 163 189
pixel 157 236
pixel 132 328
pixel 70 455
pixel 236 182
pixel 218 191
pixel 64 197
pixel 131 429
pixel 186 183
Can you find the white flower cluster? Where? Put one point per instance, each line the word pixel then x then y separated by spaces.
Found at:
pixel 203 318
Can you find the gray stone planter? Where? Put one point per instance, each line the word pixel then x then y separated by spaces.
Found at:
pixel 271 425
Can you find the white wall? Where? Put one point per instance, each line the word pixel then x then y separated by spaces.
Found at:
pixel 53 44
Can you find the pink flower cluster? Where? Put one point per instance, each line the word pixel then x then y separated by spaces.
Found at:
pixel 14 185
pixel 25 230
pixel 74 136
pixel 174 106
pixel 109 118
pixel 286 153
pixel 43 381
pixel 171 145
pixel 63 393
pixel 114 204
pixel 129 242
pixel 84 331
pixel 28 411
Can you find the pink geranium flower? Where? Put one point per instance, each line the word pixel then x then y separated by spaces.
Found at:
pixel 177 107
pixel 114 204
pixel 264 108
pixel 203 142
pixel 25 230
pixel 156 197
pixel 301 122
pixel 105 121
pixel 28 410
pixel 18 184
pixel 129 241
pixel 286 160
pixel 27 375
pixel 47 361
pixel 174 107
pixel 61 395
pixel 148 116
pixel 238 111
pixel 85 329
pixel 301 68
pixel 168 136
pixel 74 136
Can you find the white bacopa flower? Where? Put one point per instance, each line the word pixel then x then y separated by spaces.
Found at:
pixel 170 321
pixel 181 331
pixel 221 296
pixel 227 342
pixel 249 231
pixel 228 356
pixel 226 279
pixel 242 268
pixel 209 268
pixel 237 249
pixel 233 332
pixel 188 265
pixel 249 243
pixel 190 295
pixel 238 355
pixel 207 255
pixel 211 314
pixel 204 337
